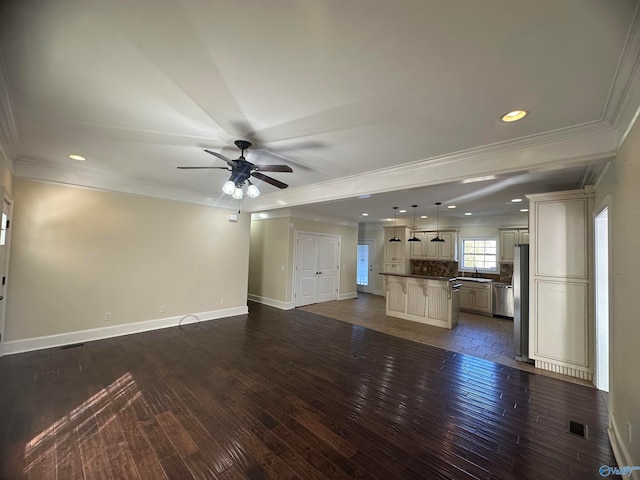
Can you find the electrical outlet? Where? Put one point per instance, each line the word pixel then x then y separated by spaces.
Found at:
pixel 222 301
pixel 629 432
pixel 107 316
pixel 163 309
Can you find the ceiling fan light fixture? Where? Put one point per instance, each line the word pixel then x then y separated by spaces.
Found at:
pixel 252 191
pixel 237 193
pixel 229 187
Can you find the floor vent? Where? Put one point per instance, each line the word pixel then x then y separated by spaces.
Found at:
pixel 73 345
pixel 578 429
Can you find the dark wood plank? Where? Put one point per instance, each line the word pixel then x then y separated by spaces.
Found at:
pixel 288 394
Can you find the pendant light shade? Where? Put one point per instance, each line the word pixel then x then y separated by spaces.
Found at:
pixel 252 190
pixel 394 238
pixel 414 238
pixel 438 239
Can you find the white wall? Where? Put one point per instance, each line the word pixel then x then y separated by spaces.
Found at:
pixel 269 253
pixel 79 253
pixel 622 182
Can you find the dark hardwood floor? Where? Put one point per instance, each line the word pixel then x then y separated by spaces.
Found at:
pixel 283 395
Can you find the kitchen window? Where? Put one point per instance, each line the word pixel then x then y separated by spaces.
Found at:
pixel 479 254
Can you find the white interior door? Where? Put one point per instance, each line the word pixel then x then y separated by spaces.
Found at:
pixel 317 261
pixel 306 270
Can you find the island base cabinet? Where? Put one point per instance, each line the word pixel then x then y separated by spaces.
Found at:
pixel 426 301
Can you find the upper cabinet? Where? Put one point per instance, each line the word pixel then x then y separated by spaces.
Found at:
pixel 396 254
pixel 428 250
pixel 509 238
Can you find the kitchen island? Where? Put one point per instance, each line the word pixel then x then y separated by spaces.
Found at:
pixel 422 298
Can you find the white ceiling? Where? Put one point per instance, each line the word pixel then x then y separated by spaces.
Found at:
pixel 409 90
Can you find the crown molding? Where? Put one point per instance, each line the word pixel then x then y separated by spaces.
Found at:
pixel 316 217
pixel 624 95
pixel 9 140
pixel 95 179
pixel 560 149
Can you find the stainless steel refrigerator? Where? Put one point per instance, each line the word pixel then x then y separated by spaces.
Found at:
pixel 521 303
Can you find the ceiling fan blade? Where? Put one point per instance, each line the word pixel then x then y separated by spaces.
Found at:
pixel 272 168
pixel 272 181
pixel 221 157
pixel 192 168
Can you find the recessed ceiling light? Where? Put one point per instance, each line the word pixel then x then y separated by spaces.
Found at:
pixel 524 209
pixel 423 216
pixel 516 200
pixel 365 214
pixel 402 211
pixel 451 206
pixel 80 158
pixel 479 179
pixel 514 116
pixel 468 213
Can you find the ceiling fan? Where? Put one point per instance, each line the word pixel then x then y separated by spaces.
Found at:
pixel 241 170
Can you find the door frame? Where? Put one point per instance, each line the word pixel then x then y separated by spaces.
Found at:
pixel 602 381
pixel 8 199
pixel 370 288
pixel 294 283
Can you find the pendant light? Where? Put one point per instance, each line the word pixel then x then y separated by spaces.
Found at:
pixel 414 238
pixel 438 239
pixel 394 238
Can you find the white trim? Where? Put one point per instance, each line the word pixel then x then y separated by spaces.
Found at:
pixel 271 302
pixel 620 451
pixel 38 343
pixel 568 147
pixel 346 296
pixel 606 203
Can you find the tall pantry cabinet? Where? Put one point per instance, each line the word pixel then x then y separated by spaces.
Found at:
pixel 561 328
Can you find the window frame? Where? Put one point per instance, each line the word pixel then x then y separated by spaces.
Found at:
pixel 461 266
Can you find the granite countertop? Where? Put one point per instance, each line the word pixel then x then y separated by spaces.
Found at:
pixel 425 277
pixel 474 279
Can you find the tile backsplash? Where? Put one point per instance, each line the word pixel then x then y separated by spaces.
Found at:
pixel 434 268
pixel 438 268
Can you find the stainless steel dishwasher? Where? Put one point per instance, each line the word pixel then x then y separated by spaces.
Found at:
pixel 503 299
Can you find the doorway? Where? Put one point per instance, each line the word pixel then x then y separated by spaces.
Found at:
pixel 365 280
pixel 317 268
pixel 601 226
pixel 5 244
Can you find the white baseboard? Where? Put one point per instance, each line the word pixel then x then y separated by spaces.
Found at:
pixel 271 302
pixel 619 447
pixel 345 296
pixel 38 343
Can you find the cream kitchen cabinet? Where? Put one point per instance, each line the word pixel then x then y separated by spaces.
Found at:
pixel 424 299
pixel 428 250
pixel 396 254
pixel 509 238
pixel 475 297
pixel 561 328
